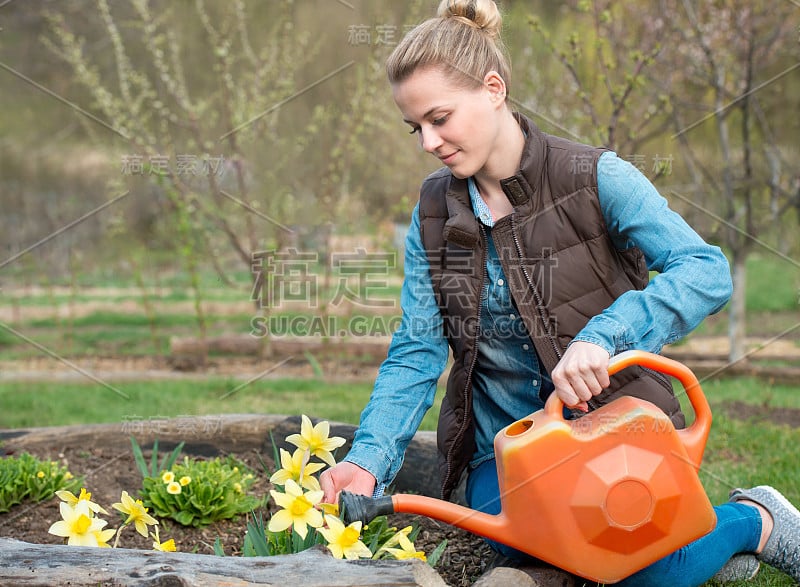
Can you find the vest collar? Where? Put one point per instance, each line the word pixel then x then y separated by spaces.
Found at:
pixel 461 227
pixel 521 188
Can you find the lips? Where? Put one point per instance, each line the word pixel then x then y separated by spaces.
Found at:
pixel 447 159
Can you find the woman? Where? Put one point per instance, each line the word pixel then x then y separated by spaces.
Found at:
pixel 528 255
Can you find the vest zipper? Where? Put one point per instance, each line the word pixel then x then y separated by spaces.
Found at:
pixel 467 406
pixel 537 296
pixel 592 403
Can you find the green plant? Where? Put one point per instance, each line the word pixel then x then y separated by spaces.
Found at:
pixel 259 541
pixel 200 492
pixel 25 477
pixel 154 470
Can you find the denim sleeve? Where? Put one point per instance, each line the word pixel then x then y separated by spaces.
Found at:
pixel 693 278
pixel 406 383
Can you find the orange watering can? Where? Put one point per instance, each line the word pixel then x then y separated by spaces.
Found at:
pixel 602 496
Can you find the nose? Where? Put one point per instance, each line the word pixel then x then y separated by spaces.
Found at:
pixel 429 139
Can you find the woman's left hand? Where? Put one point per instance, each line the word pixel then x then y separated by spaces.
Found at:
pixel 581 374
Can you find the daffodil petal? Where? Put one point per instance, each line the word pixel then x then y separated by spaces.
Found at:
pixel 280 521
pixel 67 496
pixel 358 550
pixel 297 440
pixel 310 483
pixel 325 456
pixel 314 518
pixel 280 477
pixel 60 528
pixel 315 496
pixel 301 528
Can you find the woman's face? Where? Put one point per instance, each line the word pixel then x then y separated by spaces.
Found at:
pixel 458 126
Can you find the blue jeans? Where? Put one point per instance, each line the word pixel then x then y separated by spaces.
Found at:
pixel 738 530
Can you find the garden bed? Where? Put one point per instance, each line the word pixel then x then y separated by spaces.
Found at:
pixel 103 455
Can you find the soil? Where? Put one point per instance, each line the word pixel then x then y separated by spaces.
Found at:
pixel 107 473
pixel 755 413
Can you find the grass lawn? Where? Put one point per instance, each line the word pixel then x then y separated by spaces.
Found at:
pixel 30 404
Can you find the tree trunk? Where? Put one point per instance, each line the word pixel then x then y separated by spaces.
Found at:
pixel 737 313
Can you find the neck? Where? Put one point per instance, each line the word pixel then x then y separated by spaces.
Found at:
pixel 505 158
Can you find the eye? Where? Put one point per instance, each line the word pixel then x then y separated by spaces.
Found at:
pixel 440 121
pixel 414 130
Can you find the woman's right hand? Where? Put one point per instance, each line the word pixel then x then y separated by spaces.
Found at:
pixel 346 476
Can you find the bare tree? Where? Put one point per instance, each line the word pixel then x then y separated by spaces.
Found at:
pixel 607 64
pixel 719 77
pixel 219 121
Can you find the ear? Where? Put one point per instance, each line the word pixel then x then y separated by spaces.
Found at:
pixel 496 87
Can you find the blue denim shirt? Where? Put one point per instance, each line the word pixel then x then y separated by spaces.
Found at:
pixel 693 281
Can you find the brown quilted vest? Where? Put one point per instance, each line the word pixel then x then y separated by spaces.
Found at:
pixel 561 266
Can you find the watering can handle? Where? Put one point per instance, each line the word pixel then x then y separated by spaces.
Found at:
pixel 694 437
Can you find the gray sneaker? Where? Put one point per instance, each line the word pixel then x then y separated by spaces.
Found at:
pixel 782 550
pixel 740 567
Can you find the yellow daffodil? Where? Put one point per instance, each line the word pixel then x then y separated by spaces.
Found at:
pixel 168 477
pixel 166 546
pixel 298 509
pixel 84 496
pixel 315 440
pixel 296 467
pixel 185 480
pixel 173 488
pixel 103 536
pixel 79 525
pixel 330 508
pixel 407 549
pixel 136 513
pixel 344 541
pixel 40 474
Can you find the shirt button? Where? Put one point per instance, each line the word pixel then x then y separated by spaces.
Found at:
pixel 512 316
pixel 535 382
pixel 525 347
pixel 501 282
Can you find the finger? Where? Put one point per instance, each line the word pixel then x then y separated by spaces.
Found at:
pixel 602 378
pixel 566 395
pixel 581 388
pixel 327 486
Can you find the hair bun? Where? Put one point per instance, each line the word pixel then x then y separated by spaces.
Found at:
pixel 481 14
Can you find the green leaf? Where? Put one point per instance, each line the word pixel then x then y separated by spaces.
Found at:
pixel 437 553
pixel 315 367
pixel 169 460
pixel 256 537
pixel 154 459
pixel 139 458
pixel 218 550
pixel 184 517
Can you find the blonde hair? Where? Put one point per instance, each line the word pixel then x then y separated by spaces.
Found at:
pixel 463 40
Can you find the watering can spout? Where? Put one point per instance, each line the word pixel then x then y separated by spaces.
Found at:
pixel 361 508
pixel 354 507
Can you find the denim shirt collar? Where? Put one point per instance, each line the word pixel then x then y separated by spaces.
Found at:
pixel 482 212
